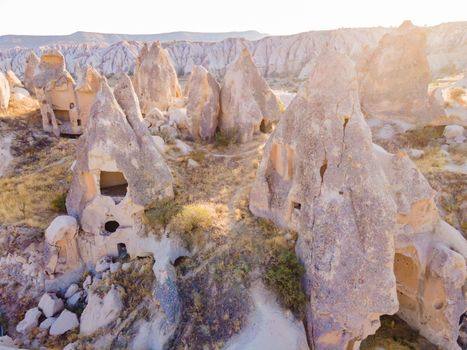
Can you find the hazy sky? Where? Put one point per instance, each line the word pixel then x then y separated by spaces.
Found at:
pixel 274 17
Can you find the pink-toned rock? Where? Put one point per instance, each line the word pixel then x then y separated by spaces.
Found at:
pixel 203 104
pixel 155 79
pixel 247 102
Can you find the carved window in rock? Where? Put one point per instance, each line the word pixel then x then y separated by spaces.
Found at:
pixel 110 227
pixel 62 115
pixel 113 184
pixel 282 158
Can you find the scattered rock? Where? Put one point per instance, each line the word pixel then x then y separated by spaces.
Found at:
pixel 183 147
pixel 47 323
pixel 160 144
pixel 72 289
pixel 75 298
pixel 192 163
pixel 416 153
pixel 30 321
pixel 454 134
pixel 103 264
pixel 114 267
pixel 64 323
pixel 50 304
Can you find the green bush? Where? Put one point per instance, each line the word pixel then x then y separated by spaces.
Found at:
pixel 161 212
pixel 59 203
pixel 283 274
pixel 192 217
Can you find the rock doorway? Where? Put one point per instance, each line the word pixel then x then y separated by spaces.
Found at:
pixel 113 184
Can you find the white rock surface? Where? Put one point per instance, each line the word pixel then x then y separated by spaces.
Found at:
pixel 269 326
pixel 30 321
pixel 72 289
pixel 64 323
pixel 47 323
pixel 63 226
pixel 192 163
pixel 183 147
pixel 4 92
pixel 160 143
pixel 103 264
pixel 50 304
pixel 100 312
pixel 114 267
pixel 454 134
pixel 75 298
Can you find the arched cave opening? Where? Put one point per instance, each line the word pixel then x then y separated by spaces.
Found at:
pixel 121 249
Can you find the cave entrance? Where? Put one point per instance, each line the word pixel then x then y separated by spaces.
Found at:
pixel 121 249
pixel 111 226
pixel 62 115
pixel 113 184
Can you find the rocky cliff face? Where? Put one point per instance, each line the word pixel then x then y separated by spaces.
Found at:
pixel 275 56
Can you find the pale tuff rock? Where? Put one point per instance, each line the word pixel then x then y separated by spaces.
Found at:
pixel 50 304
pixel 319 176
pixel 118 172
pixel 54 88
pixel 86 89
pixel 100 312
pixel 247 102
pixel 61 243
pixel 322 177
pixel 72 289
pixel 203 106
pixel 30 321
pixel 269 326
pixel 155 118
pixel 452 95
pixel 64 323
pixel 32 61
pixel 155 79
pixel 454 134
pixel 4 92
pixel 430 255
pixel 47 323
pixel 13 79
pixel 394 81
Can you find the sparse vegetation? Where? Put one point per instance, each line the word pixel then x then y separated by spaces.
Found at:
pixel 458 95
pixel 197 155
pixel 192 217
pixel 226 139
pixel 59 203
pixel 161 212
pixel 284 275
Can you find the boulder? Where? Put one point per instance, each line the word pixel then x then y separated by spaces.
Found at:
pixel 75 298
pixel 72 289
pixel 64 323
pixel 100 312
pixel 192 163
pixel 160 144
pixel 454 134
pixel 394 80
pixel 203 106
pixel 103 264
pixel 177 118
pixel 155 118
pixel 62 227
pixel 155 79
pixel 183 147
pixel 4 92
pixel 50 304
pixel 32 61
pixel 29 321
pixel 47 323
pixel 247 102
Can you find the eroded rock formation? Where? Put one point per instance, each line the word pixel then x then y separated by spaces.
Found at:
pixel 54 88
pixel 4 92
pixel 247 102
pixel 320 177
pixel 155 79
pixel 118 170
pixel 356 205
pixel 32 61
pixel 394 81
pixel 86 89
pixel 203 106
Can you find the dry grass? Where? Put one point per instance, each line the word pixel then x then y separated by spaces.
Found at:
pixel 432 158
pixel 458 95
pixel 20 108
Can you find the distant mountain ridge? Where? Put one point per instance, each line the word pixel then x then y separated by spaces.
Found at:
pixel 35 41
pixel 290 56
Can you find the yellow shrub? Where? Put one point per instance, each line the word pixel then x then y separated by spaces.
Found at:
pixel 192 217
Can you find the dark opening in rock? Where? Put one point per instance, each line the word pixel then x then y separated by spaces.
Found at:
pixel 111 226
pixel 297 205
pixel 121 248
pixel 113 184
